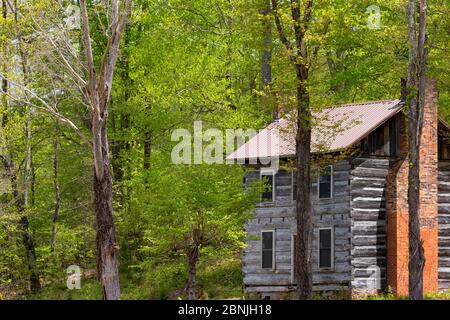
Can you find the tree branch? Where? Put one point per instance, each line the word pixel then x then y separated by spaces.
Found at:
pixel 109 58
pixel 281 33
pixel 45 107
pixel 92 86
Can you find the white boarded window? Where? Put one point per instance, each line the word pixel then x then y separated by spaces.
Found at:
pixel 326 248
pixel 268 249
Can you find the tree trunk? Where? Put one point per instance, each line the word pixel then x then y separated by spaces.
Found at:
pixel 107 264
pixel 192 255
pixel 266 63
pixel 28 160
pixel 35 284
pixel 147 149
pixel 4 81
pixel 416 256
pixel 57 192
pixel 27 240
pixel 416 91
pixel 21 200
pixel 33 185
pixel 299 58
pixel 99 91
pixel 302 252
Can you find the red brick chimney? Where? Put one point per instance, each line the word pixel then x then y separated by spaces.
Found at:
pixel 397 203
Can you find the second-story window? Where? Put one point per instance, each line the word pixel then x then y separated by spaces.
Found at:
pixel 325 183
pixel 268 195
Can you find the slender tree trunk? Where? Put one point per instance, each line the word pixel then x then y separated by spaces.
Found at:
pixel 266 62
pixel 416 90
pixel 416 256
pixel 4 81
pixel 121 123
pixel 27 240
pixel 21 199
pixel 28 160
pixel 33 184
pixel 35 284
pixel 147 149
pixel 107 264
pixel 192 255
pixel 298 54
pixel 57 191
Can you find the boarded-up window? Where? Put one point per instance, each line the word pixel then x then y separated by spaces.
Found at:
pixel 267 249
pixel 326 250
pixel 268 194
pixel 325 184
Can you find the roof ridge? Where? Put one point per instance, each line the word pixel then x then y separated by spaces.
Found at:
pixel 398 101
pixel 362 103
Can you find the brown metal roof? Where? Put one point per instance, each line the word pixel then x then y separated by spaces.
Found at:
pixel 335 128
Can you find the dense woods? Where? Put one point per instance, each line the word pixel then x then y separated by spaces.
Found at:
pixel 91 92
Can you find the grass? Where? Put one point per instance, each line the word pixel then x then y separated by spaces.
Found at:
pixel 445 295
pixel 215 279
pixel 222 280
pixel 90 290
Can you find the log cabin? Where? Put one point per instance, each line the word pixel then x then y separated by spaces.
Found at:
pixel 360 205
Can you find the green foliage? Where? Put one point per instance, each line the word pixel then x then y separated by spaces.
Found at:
pixel 180 61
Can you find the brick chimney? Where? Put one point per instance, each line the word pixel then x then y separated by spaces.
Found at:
pixel 397 203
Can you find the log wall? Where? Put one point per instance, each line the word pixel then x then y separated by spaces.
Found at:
pixel 444 225
pixel 357 212
pixel 280 216
pixel 368 215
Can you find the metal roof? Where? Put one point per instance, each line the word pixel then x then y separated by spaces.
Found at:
pixel 334 129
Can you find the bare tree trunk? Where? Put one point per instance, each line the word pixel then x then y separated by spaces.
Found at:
pixel 107 264
pixel 416 90
pixel 57 191
pixel 192 255
pixel 99 94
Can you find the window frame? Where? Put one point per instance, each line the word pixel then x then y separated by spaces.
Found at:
pixel 268 172
pixel 293 235
pixel 331 268
pixel 293 180
pixel 331 184
pixel 273 248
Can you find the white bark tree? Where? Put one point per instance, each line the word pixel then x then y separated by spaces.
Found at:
pixel 94 84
